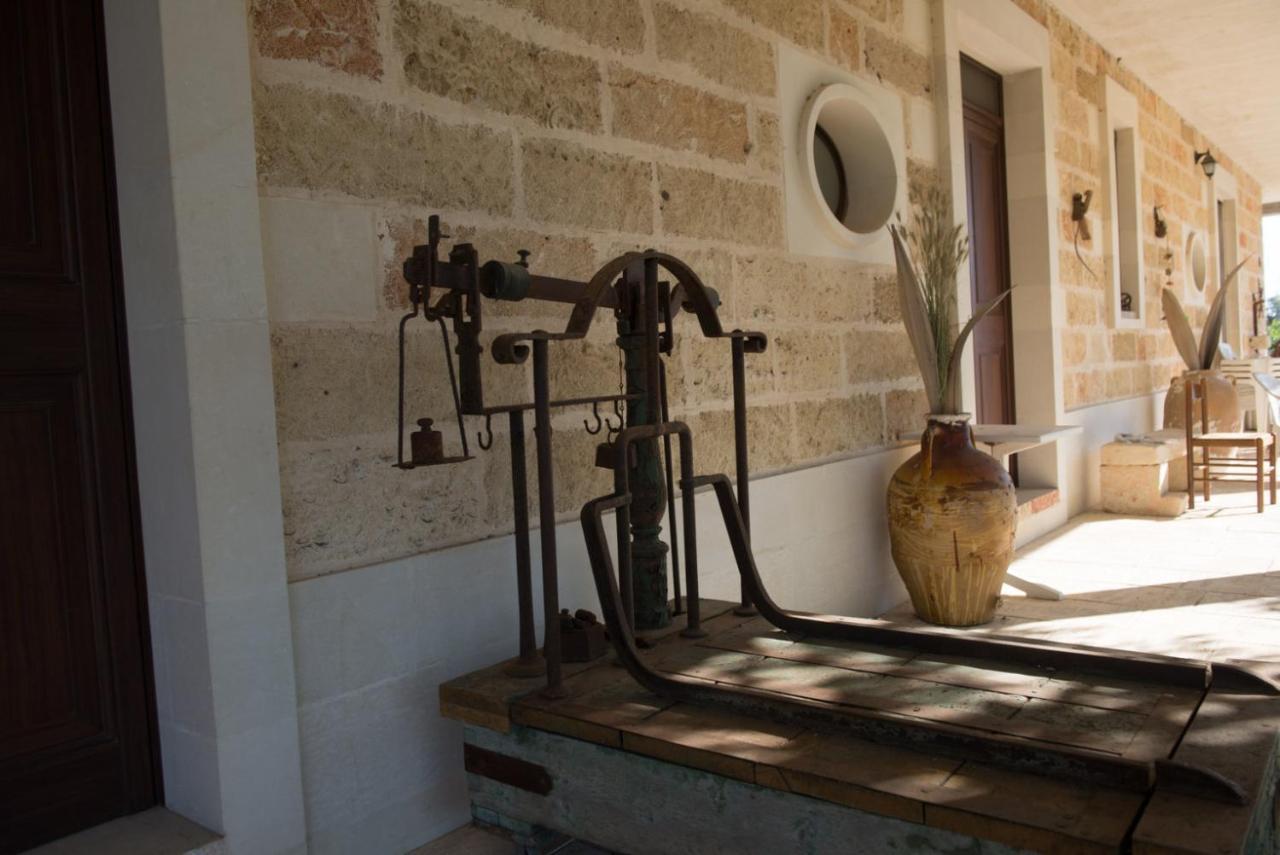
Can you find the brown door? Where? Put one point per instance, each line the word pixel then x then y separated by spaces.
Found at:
pixel 988 240
pixel 76 721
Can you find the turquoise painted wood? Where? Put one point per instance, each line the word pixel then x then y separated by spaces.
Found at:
pixel 634 804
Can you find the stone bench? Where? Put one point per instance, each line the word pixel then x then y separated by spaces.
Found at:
pixel 1136 476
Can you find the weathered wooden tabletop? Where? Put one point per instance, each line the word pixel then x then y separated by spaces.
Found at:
pixel 606 706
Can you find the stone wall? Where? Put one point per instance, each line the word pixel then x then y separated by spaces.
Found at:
pixel 1103 363
pixel 577 129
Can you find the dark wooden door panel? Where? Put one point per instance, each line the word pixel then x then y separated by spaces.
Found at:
pixel 76 710
pixel 34 207
pixel 43 530
pixel 988 245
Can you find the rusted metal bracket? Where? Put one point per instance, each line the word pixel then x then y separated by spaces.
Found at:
pixel 506 769
pixel 1091 767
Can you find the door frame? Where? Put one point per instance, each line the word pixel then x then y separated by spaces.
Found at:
pixel 1004 38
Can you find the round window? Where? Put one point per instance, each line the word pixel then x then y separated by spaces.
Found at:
pixel 850 163
pixel 830 171
pixel 1197 264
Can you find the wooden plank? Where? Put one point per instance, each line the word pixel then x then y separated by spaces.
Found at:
pixel 1032 811
pixel 1234 735
pixel 856 773
pixel 715 741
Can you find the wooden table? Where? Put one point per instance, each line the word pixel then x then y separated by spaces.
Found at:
pixel 627 770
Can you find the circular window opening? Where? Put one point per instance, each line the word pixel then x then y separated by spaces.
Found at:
pixel 1197 261
pixel 849 161
pixel 830 171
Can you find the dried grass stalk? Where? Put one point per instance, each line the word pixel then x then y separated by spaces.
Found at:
pixel 928 254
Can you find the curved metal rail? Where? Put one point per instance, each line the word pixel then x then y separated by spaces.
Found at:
pixel 885 727
pixel 882 727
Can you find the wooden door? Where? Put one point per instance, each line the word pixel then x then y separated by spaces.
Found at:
pixel 76 712
pixel 988 241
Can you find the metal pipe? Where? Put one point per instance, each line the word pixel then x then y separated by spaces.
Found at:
pixel 745 607
pixel 528 665
pixel 693 623
pixel 671 498
pixel 547 518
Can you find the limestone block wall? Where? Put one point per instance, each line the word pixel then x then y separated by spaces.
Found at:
pixel 577 129
pixel 1103 363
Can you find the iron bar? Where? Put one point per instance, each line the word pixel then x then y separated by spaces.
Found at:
pixel 528 664
pixel 547 518
pixel 453 385
pixel 738 346
pixel 677 605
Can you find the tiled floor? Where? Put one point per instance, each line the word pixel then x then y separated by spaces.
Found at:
pixel 1204 585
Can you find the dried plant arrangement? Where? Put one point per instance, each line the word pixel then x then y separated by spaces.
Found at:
pixel 1205 355
pixel 928 254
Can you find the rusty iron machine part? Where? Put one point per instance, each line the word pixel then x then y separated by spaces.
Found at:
pixel 643 307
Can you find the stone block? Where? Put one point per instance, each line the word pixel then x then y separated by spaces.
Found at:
pixel 715 48
pixel 328 141
pixel 574 185
pixel 345 505
pixel 341 34
pixel 662 112
pixel 873 356
pixel 338 382
pixel 772 287
pixel 801 21
pixel 838 426
pixel 896 62
pixel 614 24
pixel 320 260
pixel 465 60
pixel 906 411
pixel 846 46
pixel 1140 490
pixel 807 361
pixel 705 205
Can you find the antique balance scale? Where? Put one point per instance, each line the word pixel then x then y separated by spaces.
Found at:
pixel 645 291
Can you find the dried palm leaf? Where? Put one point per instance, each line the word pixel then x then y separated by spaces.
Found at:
pixel 1212 332
pixel 916 319
pixel 951 391
pixel 1183 336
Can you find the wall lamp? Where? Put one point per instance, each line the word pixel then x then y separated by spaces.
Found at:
pixel 1207 163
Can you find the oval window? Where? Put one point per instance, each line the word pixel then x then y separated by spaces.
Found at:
pixel 1197 266
pixel 850 163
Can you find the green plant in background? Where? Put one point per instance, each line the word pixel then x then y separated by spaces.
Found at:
pixel 1273 322
pixel 928 254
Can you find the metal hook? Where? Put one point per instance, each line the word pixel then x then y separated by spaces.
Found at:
pixel 485 440
pixel 617 411
pixel 599 426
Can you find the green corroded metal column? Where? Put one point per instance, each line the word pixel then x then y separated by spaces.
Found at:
pixel 648 487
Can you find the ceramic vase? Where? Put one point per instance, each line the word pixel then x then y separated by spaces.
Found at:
pixel 952 515
pixel 1224 402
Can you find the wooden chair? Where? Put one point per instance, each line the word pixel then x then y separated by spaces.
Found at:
pixel 1220 468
